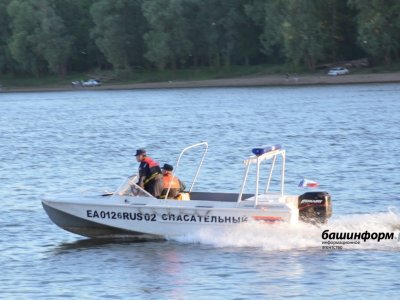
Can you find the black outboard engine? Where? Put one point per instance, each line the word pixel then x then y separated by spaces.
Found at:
pixel 315 207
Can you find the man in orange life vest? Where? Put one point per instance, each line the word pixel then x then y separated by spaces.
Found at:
pixel 177 186
pixel 150 177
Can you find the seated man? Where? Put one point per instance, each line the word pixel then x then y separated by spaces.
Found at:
pixel 177 186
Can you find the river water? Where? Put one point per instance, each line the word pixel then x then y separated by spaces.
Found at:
pixel 346 137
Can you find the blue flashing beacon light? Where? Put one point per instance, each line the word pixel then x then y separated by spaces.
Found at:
pixel 264 149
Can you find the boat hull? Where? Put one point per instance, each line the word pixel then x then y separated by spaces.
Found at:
pixel 144 218
pixel 89 228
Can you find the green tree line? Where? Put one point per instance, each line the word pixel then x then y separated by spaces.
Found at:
pixel 61 36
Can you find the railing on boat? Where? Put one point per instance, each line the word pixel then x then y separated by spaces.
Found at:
pixel 257 160
pixel 205 145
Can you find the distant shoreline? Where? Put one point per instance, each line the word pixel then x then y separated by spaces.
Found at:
pixel 254 81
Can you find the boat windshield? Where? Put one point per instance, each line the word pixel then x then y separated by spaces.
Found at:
pixel 130 188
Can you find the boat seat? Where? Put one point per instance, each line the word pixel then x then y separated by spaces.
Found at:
pixel 183 196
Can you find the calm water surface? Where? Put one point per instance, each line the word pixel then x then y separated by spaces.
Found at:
pixel 346 137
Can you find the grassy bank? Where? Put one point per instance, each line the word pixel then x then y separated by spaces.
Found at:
pixel 141 76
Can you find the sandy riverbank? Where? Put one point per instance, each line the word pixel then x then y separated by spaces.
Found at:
pixel 267 80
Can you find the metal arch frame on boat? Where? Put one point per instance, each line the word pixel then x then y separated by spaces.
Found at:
pixel 205 144
pixel 258 160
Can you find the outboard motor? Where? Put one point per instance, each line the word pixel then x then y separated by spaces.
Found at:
pixel 315 207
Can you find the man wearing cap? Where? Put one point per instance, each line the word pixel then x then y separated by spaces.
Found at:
pixel 169 180
pixel 150 177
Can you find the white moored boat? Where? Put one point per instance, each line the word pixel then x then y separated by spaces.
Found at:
pixel 131 212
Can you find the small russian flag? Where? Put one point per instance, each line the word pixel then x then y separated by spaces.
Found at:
pixel 306 183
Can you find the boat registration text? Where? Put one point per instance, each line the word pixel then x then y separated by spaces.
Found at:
pixel 152 217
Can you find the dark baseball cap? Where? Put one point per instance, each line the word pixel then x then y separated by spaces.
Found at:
pixel 140 152
pixel 167 167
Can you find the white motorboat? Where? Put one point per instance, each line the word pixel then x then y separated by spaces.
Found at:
pixel 132 212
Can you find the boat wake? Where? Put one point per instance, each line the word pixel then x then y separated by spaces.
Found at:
pixel 306 236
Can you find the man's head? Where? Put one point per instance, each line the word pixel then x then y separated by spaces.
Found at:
pixel 167 168
pixel 140 154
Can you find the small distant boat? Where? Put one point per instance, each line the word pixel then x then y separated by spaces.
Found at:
pixel 132 212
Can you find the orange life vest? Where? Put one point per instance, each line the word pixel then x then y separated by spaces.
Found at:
pixel 151 162
pixel 167 178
